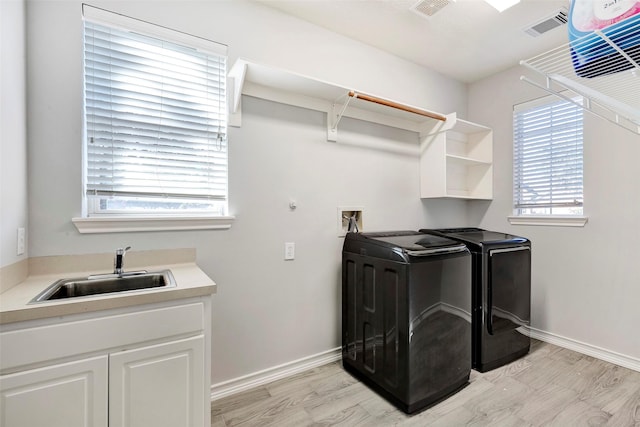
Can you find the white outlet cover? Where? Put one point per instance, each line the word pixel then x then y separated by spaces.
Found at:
pixel 289 250
pixel 21 243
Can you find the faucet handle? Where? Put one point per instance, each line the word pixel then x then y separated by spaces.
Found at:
pixel 121 251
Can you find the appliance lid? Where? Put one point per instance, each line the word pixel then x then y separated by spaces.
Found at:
pixel 480 236
pixel 412 242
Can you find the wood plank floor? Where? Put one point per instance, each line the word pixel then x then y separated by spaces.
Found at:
pixel 551 386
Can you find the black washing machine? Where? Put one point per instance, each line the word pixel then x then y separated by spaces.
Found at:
pixel 406 315
pixel 501 294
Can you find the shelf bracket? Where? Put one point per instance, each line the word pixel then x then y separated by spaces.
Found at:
pixel 235 81
pixel 334 118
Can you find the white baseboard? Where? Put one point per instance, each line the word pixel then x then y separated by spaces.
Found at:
pixel 237 385
pixel 588 349
pixel 265 376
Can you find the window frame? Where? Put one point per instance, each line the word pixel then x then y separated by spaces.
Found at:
pixel 96 220
pixel 564 220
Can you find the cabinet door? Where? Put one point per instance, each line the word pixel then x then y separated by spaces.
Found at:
pixel 161 385
pixel 66 395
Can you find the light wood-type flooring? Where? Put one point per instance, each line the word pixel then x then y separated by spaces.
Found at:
pixel 551 386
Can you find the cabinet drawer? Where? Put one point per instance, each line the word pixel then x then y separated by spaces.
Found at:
pixel 40 344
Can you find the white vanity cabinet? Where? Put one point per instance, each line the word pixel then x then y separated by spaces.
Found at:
pixel 138 366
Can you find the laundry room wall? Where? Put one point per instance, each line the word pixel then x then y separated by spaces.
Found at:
pixel 13 135
pixel 267 312
pixel 585 281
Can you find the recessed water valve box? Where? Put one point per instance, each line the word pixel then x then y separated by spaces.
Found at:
pixel 349 219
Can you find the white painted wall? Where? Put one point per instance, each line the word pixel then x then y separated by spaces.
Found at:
pixel 267 311
pixel 585 281
pixel 13 137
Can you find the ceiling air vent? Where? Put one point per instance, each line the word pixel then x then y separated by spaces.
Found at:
pixel 561 17
pixel 429 7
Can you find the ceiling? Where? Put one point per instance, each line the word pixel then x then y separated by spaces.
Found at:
pixel 466 39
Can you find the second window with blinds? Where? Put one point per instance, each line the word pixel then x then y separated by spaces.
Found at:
pixel 155 119
pixel 548 160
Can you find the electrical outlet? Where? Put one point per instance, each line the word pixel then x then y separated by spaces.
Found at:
pixel 289 251
pixel 21 243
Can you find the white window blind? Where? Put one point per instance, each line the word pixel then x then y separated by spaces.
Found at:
pixel 156 120
pixel 548 158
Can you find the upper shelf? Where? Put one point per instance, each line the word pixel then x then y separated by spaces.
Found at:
pixel 602 67
pixel 283 86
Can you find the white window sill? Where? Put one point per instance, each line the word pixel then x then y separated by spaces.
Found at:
pixel 125 224
pixel 550 220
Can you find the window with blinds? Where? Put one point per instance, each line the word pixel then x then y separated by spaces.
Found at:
pixel 155 119
pixel 547 158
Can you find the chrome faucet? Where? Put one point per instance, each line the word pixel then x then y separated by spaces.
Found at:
pixel 118 262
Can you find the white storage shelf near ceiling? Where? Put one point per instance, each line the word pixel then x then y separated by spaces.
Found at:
pixel 456 155
pixel 261 81
pixel 602 67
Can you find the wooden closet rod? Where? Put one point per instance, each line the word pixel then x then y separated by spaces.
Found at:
pixel 392 104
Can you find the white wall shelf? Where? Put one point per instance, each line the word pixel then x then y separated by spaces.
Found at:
pixel 261 81
pixel 456 155
pixel 456 161
pixel 611 87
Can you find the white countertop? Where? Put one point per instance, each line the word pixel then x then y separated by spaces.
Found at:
pixel 191 281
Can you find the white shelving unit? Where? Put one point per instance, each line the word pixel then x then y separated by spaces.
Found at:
pixel 456 161
pixel 265 82
pixel 456 155
pixel 613 93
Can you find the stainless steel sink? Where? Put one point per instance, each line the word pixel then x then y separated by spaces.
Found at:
pixel 105 284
